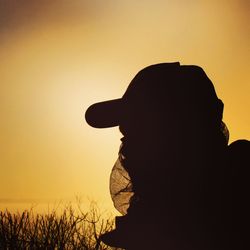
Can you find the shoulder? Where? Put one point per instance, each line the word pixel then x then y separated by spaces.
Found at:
pixel 238 159
pixel 240 145
pixel 239 152
pixel 239 162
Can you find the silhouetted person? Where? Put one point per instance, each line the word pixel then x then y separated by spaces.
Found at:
pixel 177 182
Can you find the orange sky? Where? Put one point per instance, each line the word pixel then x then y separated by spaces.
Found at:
pixel 58 57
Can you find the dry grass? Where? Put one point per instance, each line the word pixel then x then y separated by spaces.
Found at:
pixel 70 230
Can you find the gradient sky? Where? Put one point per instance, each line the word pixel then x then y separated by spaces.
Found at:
pixel 59 56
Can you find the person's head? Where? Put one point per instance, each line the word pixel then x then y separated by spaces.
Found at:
pixel 165 101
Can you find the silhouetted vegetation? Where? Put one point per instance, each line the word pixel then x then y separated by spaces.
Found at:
pixel 69 229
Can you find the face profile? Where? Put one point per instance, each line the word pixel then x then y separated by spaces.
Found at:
pixel 173 164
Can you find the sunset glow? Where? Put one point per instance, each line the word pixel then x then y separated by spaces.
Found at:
pixel 58 57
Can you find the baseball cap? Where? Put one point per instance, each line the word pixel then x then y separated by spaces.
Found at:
pixel 159 88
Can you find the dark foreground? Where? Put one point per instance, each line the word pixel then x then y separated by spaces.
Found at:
pixel 67 230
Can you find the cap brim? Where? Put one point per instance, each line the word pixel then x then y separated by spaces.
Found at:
pixel 105 114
